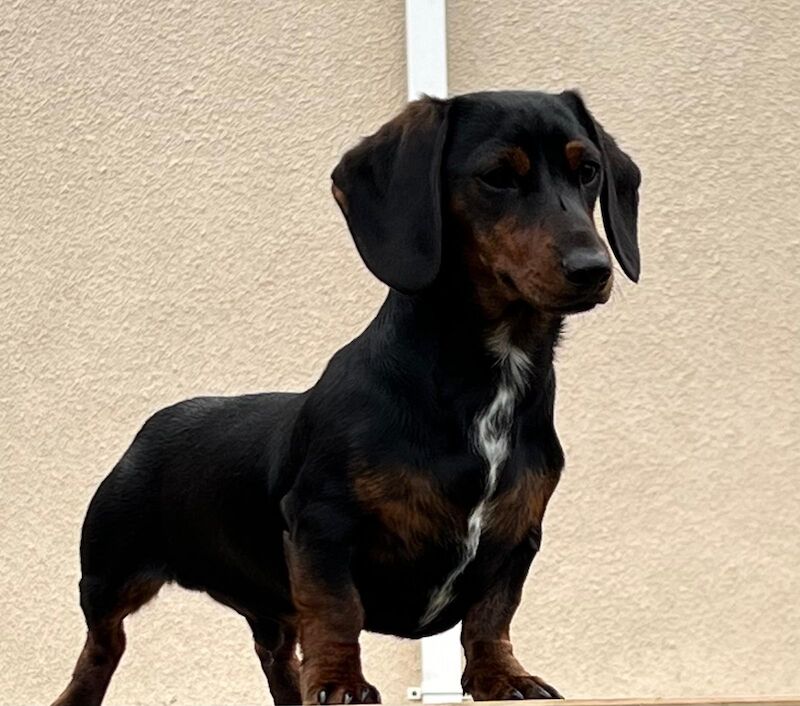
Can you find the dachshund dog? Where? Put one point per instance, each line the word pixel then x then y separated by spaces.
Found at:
pixel 405 491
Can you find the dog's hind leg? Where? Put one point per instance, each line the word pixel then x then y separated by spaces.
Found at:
pixel 276 647
pixel 105 605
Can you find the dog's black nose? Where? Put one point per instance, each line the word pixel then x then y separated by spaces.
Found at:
pixel 587 267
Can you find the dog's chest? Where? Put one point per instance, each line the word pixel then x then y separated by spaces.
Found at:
pixel 491 437
pixel 433 529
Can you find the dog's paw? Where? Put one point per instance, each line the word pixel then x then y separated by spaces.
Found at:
pixel 357 692
pixel 506 687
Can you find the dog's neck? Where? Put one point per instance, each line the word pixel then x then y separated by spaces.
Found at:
pixel 444 330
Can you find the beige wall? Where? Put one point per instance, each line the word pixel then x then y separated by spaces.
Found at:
pixel 167 230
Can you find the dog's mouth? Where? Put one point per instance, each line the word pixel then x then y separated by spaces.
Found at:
pixel 560 298
pixel 576 307
pixel 582 302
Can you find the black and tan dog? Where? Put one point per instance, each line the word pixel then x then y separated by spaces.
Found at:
pixel 405 491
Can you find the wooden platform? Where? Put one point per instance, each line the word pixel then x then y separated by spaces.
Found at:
pixel 750 701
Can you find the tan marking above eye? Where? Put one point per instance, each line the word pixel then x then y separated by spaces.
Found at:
pixel 519 160
pixel 340 197
pixel 574 151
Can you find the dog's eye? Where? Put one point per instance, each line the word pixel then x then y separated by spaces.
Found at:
pixel 502 177
pixel 588 172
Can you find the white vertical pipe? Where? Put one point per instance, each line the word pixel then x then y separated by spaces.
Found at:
pixel 441 668
pixel 426 62
pixel 426 48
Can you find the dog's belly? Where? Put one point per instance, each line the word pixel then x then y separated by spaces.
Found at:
pixel 396 591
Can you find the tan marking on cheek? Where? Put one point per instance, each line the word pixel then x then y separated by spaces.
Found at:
pixel 527 256
pixel 484 261
pixel 508 262
pixel 574 151
pixel 514 254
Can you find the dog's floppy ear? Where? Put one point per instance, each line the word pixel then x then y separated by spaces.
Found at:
pixel 388 188
pixel 619 197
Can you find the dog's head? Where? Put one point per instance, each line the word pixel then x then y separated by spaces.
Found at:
pixel 501 187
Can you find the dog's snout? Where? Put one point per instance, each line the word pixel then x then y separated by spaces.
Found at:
pixel 587 267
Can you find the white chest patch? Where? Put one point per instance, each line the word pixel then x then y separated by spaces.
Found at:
pixel 491 432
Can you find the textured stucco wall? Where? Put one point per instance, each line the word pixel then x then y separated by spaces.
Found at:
pixel 167 230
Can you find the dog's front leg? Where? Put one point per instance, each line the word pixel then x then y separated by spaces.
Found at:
pixel 329 612
pixel 492 673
